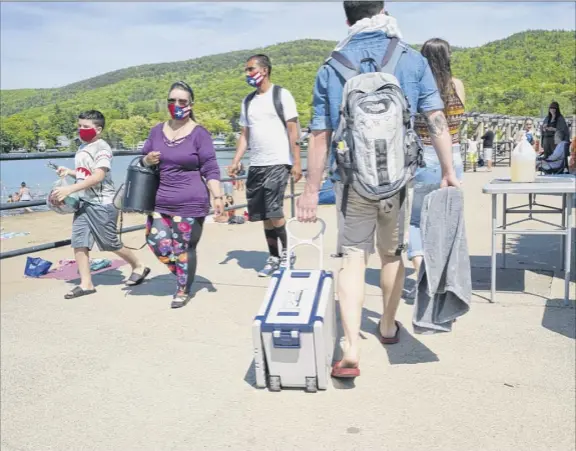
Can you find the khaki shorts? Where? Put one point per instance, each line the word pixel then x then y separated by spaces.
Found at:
pixel 366 219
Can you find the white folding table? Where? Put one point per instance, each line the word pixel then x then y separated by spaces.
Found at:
pixel 563 185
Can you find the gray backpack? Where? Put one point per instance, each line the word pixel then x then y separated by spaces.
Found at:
pixel 377 148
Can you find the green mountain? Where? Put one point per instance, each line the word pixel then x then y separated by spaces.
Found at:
pixel 518 75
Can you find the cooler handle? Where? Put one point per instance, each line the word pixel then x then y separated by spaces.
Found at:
pixel 316 241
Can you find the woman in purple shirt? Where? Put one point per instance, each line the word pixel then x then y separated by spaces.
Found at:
pixel 184 153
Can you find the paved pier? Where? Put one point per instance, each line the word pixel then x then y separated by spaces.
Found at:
pixel 120 370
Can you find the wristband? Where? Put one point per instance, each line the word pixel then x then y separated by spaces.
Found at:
pixel 218 197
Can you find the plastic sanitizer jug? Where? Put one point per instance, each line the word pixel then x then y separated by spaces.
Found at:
pixel 523 164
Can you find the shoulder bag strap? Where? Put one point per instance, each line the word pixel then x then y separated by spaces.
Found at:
pixel 277 96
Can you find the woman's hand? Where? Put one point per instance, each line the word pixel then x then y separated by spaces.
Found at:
pixel 218 206
pixel 153 158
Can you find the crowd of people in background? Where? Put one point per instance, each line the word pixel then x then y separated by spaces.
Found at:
pixel 550 140
pixel 555 138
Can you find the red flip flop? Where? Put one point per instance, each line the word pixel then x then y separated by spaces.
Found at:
pixel 342 372
pixel 389 340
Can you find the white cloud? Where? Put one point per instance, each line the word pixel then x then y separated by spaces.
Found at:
pixel 53 44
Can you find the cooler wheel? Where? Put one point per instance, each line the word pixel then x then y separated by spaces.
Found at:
pixel 274 383
pixel 311 385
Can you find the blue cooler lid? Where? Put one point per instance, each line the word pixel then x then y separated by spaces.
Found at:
pixel 294 301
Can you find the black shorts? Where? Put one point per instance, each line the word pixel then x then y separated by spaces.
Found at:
pixel 265 188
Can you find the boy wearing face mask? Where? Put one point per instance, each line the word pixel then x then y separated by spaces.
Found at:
pixel 274 143
pixel 96 219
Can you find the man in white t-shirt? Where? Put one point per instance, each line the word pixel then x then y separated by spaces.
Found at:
pixel 269 121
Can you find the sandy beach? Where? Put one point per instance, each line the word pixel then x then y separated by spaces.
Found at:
pixel 44 227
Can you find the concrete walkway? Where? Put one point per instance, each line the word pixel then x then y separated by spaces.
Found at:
pixel 122 371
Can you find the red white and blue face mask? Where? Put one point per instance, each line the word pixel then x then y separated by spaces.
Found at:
pixel 179 112
pixel 255 79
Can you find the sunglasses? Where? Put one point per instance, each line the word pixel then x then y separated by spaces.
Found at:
pixel 181 102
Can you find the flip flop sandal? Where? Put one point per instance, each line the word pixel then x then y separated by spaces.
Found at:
pixel 389 340
pixel 78 292
pixel 342 372
pixel 137 279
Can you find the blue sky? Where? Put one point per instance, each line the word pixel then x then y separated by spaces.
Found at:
pixel 46 45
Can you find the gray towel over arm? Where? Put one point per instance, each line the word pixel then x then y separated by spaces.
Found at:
pixel 444 287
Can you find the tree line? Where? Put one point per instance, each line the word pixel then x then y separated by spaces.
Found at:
pixel 518 75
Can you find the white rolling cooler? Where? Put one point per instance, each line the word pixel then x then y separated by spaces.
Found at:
pixel 294 331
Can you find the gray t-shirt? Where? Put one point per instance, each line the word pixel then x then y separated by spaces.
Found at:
pixel 90 157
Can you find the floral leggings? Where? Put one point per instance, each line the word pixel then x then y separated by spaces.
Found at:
pixel 173 239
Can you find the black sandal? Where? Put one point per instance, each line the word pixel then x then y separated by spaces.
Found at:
pixel 180 300
pixel 78 292
pixel 137 279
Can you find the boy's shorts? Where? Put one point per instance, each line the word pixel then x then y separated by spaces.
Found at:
pixel 96 223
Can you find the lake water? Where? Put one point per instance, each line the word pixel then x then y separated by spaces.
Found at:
pixel 40 178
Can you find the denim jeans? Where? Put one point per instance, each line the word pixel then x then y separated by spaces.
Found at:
pixel 427 179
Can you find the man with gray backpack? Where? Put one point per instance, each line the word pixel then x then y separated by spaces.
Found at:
pixel 365 97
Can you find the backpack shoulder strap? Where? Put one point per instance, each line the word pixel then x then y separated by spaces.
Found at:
pixel 247 101
pixel 342 65
pixel 276 95
pixel 393 53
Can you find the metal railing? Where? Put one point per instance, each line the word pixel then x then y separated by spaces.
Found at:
pixel 46 156
pixel 61 243
pixel 501 153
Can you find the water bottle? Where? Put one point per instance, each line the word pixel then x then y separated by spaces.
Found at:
pixel 523 164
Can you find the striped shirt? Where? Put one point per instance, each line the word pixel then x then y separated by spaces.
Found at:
pixel 454 112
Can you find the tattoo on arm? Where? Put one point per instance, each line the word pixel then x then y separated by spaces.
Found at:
pixel 437 123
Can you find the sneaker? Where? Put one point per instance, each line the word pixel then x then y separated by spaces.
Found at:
pixel 272 264
pixel 284 258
